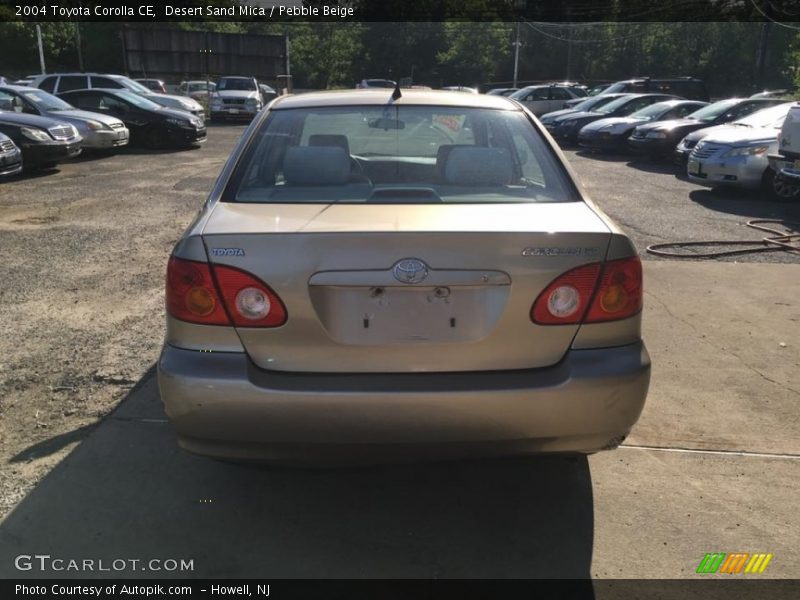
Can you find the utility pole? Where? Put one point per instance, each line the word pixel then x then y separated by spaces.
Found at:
pixel 761 54
pixel 78 45
pixel 516 56
pixel 569 53
pixel 78 41
pixel 41 49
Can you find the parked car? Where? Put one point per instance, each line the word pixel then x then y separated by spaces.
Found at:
pixel 541 99
pixel 150 124
pixel 460 88
pixel 780 94
pixel 786 160
pixel 578 88
pixel 267 93
pixel 349 281
pixel 612 133
pixel 65 82
pixel 765 117
pixel 197 89
pixel 550 119
pixel 690 88
pixel 596 90
pixel 10 157
pixel 99 132
pixel 235 98
pixel 365 84
pixel 567 127
pixel 736 156
pixel 44 141
pixel 660 139
pixel 154 85
pixel 502 91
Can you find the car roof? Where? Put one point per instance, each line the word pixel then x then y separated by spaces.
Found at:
pixel 19 88
pixel 381 97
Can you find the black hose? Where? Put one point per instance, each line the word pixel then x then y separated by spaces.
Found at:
pixel 780 241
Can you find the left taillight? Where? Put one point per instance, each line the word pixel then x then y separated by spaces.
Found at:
pixel 207 294
pixel 191 293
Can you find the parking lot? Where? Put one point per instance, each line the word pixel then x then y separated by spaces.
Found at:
pixel 89 466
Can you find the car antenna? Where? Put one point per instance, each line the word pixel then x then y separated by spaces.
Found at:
pixel 396 94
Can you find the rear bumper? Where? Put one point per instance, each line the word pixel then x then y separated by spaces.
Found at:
pixel 787 167
pixel 222 405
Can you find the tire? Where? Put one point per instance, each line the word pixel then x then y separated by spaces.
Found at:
pixel 779 187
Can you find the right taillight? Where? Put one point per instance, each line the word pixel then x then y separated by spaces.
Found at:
pixel 592 293
pixel 619 294
pixel 220 295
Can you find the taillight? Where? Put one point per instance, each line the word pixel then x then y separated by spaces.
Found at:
pixel 566 299
pixel 619 294
pixel 592 294
pixel 192 295
pixel 228 296
pixel 250 301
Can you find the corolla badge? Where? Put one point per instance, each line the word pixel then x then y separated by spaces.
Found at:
pixel 410 270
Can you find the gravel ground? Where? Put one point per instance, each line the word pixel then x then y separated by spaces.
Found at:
pixel 85 250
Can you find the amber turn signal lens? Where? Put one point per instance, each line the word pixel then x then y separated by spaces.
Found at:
pixel 614 299
pixel 199 301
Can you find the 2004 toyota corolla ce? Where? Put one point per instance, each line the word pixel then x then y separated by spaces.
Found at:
pixel 414 277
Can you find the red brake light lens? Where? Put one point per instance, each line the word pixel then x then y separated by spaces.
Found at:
pixel 191 294
pixel 619 295
pixel 592 293
pixel 220 295
pixel 566 299
pixel 250 301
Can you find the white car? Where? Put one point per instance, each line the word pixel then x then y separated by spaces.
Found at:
pixel 65 82
pixel 541 99
pixel 786 160
pixel 735 155
pixel 236 98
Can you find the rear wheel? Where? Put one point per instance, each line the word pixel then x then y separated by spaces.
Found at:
pixel 780 187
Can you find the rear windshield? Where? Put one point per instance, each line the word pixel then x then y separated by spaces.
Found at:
pixel 398 155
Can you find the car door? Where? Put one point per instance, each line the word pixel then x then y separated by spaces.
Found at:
pixel 538 101
pixel 558 96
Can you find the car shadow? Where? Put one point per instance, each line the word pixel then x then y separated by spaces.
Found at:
pixel 126 490
pixel 647 165
pixel 755 204
pixel 141 150
pixel 604 155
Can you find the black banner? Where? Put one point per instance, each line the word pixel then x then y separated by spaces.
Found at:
pixel 738 588
pixel 780 11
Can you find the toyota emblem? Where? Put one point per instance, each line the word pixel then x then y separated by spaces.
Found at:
pixel 410 270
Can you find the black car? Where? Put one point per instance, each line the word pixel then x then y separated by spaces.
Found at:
pixel 660 139
pixel 550 119
pixel 10 157
pixel 150 124
pixel 690 88
pixel 567 127
pixel 613 133
pixel 44 142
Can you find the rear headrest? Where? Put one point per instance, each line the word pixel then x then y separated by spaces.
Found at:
pixel 6 104
pixel 316 165
pixel 443 153
pixel 330 139
pixel 476 165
